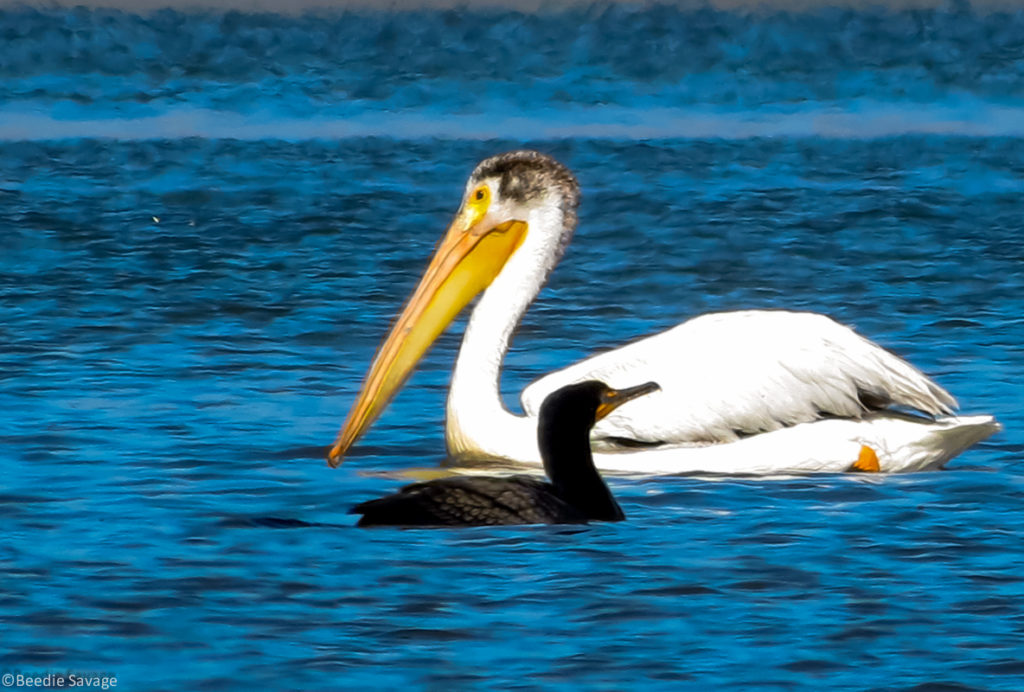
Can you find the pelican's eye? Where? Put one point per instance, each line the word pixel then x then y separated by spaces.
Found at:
pixel 479 201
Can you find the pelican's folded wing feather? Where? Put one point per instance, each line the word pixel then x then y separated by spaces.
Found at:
pixel 727 375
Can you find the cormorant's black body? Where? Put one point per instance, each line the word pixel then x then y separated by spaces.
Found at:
pixel 471 501
pixel 575 495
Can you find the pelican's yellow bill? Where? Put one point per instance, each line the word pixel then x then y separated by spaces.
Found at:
pixel 466 262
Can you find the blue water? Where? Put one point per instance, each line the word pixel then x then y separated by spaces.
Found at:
pixel 207 220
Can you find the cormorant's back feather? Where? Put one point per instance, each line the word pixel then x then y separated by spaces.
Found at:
pixel 470 500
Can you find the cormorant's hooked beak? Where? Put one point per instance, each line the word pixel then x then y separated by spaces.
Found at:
pixel 611 399
pixel 473 251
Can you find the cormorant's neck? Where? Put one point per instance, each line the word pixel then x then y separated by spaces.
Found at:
pixel 570 466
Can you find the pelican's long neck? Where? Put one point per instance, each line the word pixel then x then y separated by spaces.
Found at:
pixel 478 425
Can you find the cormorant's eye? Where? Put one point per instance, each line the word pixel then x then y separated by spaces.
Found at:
pixel 479 194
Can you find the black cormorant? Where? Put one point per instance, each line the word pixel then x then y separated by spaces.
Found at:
pixel 575 494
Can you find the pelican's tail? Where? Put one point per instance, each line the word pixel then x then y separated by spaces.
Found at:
pixel 945 438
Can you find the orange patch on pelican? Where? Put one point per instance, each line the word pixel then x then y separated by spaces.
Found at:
pixel 867 461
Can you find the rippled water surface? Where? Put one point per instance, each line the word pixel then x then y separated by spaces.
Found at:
pixel 185 318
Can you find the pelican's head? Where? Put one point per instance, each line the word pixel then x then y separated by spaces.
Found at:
pixel 514 200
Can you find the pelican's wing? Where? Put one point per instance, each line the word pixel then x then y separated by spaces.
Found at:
pixel 727 375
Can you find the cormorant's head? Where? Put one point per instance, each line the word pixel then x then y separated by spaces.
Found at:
pixel 581 405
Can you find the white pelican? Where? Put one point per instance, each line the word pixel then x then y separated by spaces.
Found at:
pixel 767 392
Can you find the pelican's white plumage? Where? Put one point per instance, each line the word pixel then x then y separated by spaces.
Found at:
pixel 728 375
pixel 901 443
pixel 741 392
